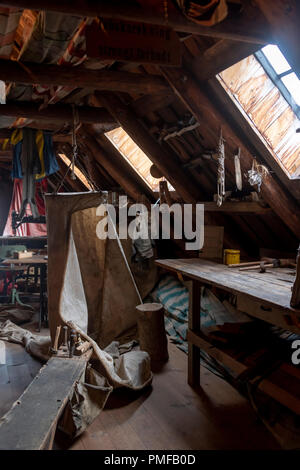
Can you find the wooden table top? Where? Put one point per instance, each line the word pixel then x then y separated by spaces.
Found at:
pixel 272 288
pixel 35 259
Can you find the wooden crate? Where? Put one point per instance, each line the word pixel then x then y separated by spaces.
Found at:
pixel 213 242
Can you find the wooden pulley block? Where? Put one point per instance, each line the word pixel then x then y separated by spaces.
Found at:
pixel 155 172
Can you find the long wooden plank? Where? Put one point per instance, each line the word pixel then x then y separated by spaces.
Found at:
pixel 225 278
pixel 29 423
pixel 241 207
pixel 80 77
pixel 56 113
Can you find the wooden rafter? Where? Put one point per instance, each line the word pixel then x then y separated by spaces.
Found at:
pixel 241 28
pixel 57 113
pixel 163 159
pixel 113 162
pixel 81 77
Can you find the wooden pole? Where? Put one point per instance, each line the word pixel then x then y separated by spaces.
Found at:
pixel 151 331
pixel 81 77
pixel 240 29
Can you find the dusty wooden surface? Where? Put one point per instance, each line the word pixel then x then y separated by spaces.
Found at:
pixel 29 423
pixel 272 288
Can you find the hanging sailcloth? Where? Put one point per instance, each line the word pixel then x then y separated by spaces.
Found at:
pixel 221 170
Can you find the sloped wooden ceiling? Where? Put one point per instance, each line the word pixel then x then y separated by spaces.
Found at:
pixel 149 102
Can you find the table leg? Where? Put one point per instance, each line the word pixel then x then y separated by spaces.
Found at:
pixel 194 325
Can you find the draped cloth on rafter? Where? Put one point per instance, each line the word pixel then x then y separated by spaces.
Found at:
pixel 204 12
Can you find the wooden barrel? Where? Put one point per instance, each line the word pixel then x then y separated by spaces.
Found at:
pixel 151 331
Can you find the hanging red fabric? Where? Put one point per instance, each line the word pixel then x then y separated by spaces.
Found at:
pixel 26 230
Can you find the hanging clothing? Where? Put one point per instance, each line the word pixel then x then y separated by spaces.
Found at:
pixel 26 230
pixel 43 161
pixel 204 12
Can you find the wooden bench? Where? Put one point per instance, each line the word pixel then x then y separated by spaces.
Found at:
pixel 31 422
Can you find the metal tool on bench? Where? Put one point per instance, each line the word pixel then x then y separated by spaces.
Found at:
pixel 263 264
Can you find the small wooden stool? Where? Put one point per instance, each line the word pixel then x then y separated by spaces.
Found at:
pixel 151 331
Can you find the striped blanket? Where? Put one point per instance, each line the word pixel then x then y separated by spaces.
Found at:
pixel 174 296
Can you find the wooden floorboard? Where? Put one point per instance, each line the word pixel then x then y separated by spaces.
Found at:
pixel 171 415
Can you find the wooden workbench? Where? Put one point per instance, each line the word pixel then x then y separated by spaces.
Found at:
pixel 262 295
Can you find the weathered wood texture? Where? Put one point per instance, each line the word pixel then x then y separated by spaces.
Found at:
pixel 56 113
pixel 241 29
pixel 80 77
pixel 29 424
pixel 151 331
pixel 273 294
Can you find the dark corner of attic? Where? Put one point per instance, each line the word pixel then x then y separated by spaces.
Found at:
pixel 149 227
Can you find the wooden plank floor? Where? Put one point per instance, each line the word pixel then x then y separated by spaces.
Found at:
pixel 171 415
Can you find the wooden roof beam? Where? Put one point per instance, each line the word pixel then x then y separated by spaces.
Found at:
pixel 113 162
pixel 165 161
pixel 199 103
pixel 241 28
pixel 56 113
pixel 81 77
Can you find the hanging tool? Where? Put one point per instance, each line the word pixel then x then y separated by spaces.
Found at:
pixel 221 170
pixel 237 168
pixel 74 141
pixel 72 343
pixel 65 343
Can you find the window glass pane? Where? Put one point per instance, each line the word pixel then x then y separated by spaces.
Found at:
pixel 276 58
pixel 292 83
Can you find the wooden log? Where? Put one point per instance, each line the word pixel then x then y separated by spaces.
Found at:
pixel 151 331
pixel 56 113
pixel 201 105
pixel 241 28
pixel 81 77
pixel 162 158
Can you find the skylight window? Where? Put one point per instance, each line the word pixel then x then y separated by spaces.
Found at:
pixel 134 155
pixel 267 91
pixel 281 73
pixel 276 58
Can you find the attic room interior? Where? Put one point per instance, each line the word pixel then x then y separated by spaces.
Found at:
pixel 149 225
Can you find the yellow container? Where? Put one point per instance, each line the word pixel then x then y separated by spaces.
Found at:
pixel 231 256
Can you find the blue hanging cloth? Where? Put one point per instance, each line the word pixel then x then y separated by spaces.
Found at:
pixel 44 159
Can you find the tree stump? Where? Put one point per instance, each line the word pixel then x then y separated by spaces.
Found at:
pixel 151 331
